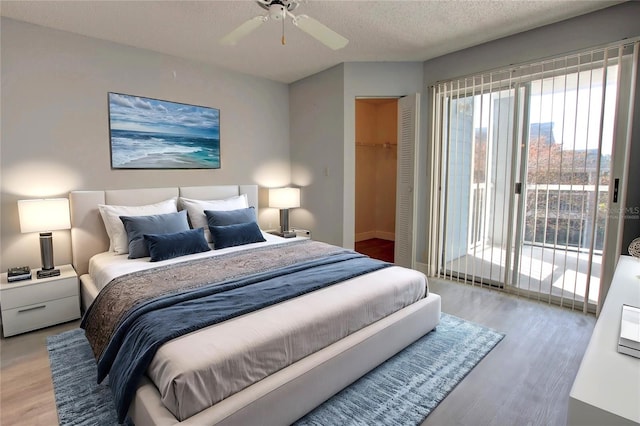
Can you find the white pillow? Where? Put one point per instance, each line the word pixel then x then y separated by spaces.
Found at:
pixel 115 229
pixel 195 209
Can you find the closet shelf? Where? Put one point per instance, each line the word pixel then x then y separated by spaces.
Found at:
pixel 385 145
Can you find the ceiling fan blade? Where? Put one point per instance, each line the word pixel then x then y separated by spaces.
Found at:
pixel 243 30
pixel 321 32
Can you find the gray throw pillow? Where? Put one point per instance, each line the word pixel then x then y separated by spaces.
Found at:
pixel 236 235
pixel 230 217
pixel 168 246
pixel 137 226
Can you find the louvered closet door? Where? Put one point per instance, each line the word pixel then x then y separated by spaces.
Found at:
pixel 408 136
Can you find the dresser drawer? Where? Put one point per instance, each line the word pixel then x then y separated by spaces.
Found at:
pixel 39 315
pixel 28 295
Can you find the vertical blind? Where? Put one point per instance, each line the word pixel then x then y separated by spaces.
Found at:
pixel 521 173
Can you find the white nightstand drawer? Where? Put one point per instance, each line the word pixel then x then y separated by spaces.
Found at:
pixel 38 292
pixel 39 315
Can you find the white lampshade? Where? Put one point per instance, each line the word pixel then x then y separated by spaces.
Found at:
pixel 44 215
pixel 284 198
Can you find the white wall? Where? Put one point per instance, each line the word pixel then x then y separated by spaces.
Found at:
pixel 593 29
pixel 317 120
pixel 374 79
pixel 55 132
pixel 322 116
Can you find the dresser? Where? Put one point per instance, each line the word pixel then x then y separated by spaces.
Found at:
pixel 36 303
pixel 606 390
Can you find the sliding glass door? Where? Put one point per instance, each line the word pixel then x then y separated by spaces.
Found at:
pixel 527 167
pixel 478 185
pixel 565 196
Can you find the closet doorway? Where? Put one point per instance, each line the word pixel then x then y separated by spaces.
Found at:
pixel 376 176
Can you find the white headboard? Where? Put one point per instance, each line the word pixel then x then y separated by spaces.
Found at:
pixel 88 235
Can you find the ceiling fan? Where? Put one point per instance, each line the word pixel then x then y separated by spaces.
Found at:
pixel 279 10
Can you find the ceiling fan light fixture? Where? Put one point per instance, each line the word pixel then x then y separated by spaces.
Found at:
pixel 279 10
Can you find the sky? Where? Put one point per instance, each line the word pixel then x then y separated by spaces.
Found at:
pixel 573 104
pixel 151 115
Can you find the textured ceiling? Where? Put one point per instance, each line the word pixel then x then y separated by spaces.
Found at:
pixel 377 30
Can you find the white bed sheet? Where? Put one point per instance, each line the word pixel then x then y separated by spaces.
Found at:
pixel 104 267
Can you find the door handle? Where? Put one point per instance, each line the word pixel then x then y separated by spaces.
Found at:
pixel 32 309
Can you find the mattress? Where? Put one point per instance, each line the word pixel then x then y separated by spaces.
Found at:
pixel 230 356
pixel 198 370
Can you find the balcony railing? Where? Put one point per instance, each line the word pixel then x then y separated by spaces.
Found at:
pixel 562 216
pixel 557 215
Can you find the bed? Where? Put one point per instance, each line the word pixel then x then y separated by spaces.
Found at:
pixel 305 379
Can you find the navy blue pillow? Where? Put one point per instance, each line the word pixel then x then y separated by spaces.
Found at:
pixel 168 246
pixel 137 226
pixel 236 235
pixel 230 217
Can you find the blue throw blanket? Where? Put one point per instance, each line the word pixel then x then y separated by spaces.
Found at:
pixel 146 327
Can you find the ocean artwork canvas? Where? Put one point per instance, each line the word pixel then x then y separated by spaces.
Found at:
pixel 149 133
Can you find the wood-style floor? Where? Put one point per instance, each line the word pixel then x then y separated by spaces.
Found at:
pixel 527 377
pixel 376 248
pixel 26 390
pixel 525 380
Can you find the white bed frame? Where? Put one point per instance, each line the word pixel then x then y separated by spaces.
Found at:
pixel 283 397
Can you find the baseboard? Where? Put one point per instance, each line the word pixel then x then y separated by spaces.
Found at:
pixel 422 267
pixel 365 236
pixel 383 235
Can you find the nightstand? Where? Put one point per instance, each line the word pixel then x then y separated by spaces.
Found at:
pixel 36 303
pixel 302 233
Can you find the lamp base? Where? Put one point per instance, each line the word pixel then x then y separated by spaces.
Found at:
pixel 47 273
pixel 284 222
pixel 46 250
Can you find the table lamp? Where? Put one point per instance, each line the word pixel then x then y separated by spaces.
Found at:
pixel 284 199
pixel 44 216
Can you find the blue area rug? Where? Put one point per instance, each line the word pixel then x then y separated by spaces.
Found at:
pixel 401 391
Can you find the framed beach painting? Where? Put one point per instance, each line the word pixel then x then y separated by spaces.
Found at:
pixel 149 133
